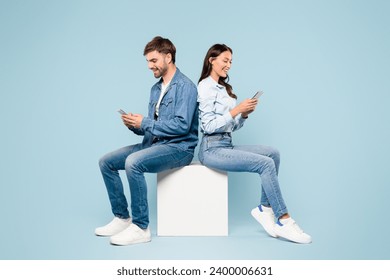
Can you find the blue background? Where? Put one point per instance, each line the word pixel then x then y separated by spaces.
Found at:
pixel 67 66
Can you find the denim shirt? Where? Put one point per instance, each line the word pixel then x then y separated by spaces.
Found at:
pixel 177 122
pixel 214 108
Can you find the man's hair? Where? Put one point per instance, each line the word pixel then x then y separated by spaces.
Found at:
pixel 162 45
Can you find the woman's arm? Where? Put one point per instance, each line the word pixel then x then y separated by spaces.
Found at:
pixel 211 120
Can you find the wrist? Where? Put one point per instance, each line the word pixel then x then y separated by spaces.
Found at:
pixel 234 112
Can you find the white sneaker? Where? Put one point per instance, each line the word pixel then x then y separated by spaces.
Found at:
pixel 288 229
pixel 131 235
pixel 113 227
pixel 265 216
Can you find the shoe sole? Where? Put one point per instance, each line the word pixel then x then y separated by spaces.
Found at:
pixel 103 235
pixel 142 240
pixel 258 219
pixel 295 240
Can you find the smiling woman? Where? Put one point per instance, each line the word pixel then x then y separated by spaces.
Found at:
pixel 219 117
pixel 219 56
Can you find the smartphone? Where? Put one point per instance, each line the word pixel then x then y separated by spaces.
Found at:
pixel 120 111
pixel 257 94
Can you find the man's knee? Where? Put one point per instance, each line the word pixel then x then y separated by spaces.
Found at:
pixel 103 162
pixel 133 163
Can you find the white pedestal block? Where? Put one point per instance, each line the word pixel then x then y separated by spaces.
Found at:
pixel 192 201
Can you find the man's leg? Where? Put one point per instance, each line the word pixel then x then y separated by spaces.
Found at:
pixel 154 159
pixel 109 165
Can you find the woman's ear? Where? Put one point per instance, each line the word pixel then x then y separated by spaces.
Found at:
pixel 211 60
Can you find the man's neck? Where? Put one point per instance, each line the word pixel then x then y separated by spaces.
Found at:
pixel 169 75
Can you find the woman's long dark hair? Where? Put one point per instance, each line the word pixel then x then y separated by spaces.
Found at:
pixel 213 52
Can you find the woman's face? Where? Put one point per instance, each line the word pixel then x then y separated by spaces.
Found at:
pixel 220 65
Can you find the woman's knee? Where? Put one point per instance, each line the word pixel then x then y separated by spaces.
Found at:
pixel 276 156
pixel 268 165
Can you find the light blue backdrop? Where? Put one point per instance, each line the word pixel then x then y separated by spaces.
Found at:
pixel 67 66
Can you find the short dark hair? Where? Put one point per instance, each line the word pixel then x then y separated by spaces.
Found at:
pixel 162 45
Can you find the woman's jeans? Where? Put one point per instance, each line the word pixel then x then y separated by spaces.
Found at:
pixel 217 151
pixel 136 161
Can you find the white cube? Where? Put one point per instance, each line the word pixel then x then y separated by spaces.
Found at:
pixel 192 201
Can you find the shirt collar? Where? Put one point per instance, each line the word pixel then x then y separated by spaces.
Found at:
pixel 173 80
pixel 214 83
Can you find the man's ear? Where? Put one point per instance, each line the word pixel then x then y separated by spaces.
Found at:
pixel 169 57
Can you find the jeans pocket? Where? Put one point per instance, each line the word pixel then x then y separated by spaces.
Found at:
pixel 214 141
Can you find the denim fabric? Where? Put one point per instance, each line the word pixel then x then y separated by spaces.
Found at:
pixel 169 141
pixel 137 160
pixel 214 107
pixel 217 151
pixel 178 120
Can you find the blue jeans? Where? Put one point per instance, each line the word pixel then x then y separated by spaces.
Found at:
pixel 217 151
pixel 137 160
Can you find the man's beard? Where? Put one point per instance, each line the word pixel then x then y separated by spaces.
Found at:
pixel 160 72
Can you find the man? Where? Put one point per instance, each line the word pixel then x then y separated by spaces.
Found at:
pixel 170 136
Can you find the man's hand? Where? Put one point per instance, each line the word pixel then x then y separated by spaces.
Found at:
pixel 132 120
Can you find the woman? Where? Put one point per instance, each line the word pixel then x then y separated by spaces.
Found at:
pixel 220 116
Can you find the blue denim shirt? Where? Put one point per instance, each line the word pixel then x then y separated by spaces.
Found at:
pixel 214 107
pixel 177 122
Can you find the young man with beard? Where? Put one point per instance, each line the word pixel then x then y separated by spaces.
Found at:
pixel 170 135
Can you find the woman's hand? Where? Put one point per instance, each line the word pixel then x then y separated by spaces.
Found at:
pixel 244 108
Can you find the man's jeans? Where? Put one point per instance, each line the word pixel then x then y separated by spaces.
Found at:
pixel 217 151
pixel 136 161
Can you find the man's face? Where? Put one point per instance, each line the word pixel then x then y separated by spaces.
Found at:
pixel 158 63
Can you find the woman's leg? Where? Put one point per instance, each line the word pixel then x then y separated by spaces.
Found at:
pixel 242 160
pixel 264 161
pixel 264 151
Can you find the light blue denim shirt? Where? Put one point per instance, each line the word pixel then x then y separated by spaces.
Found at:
pixel 214 108
pixel 177 122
